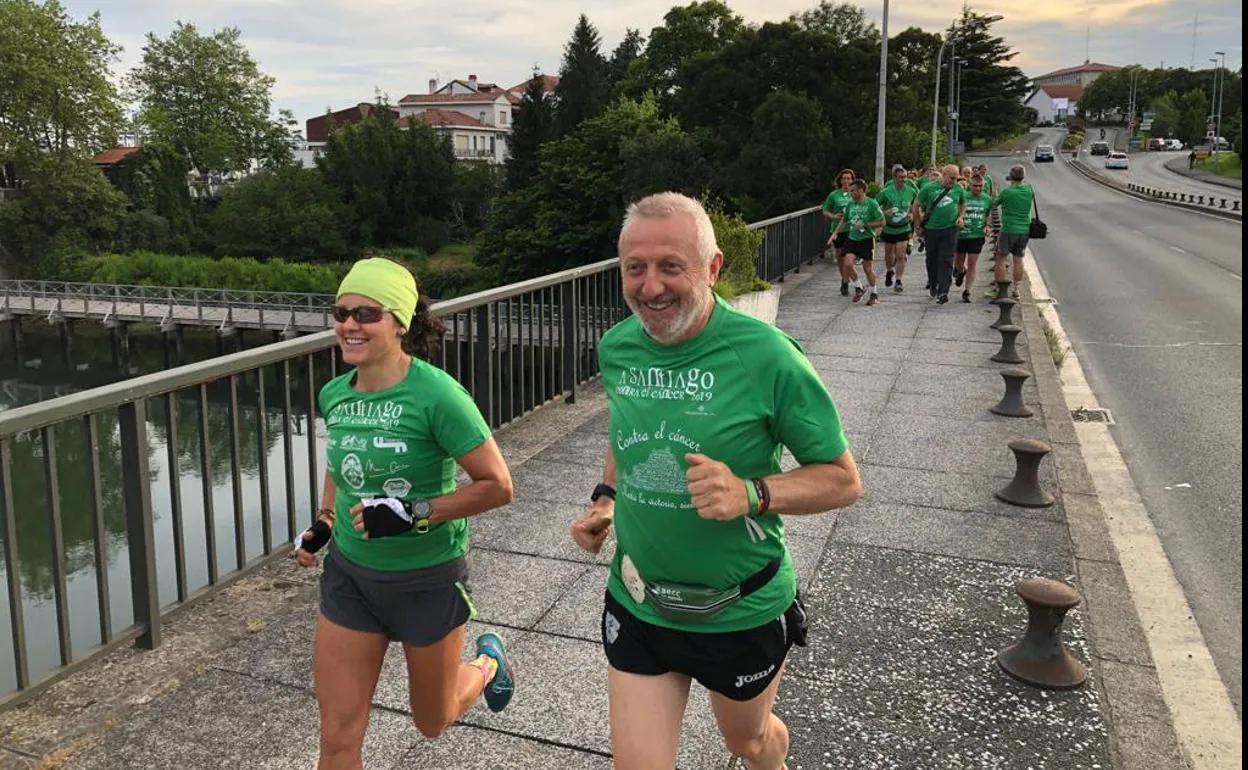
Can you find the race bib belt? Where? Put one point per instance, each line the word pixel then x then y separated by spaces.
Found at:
pixel 686 603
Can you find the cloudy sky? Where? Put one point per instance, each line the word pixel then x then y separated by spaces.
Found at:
pixel 334 53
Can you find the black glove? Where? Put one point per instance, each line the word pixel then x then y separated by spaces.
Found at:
pixel 386 516
pixel 319 537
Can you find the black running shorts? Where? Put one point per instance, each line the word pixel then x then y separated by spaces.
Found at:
pixel 864 250
pixel 969 246
pixel 735 664
pixel 888 237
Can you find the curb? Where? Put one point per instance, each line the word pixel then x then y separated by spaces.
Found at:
pixel 1080 168
pixel 1200 176
pixel 1147 728
pixel 1141 733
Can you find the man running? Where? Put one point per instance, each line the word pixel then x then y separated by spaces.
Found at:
pixel 1015 201
pixel 833 206
pixel 971 236
pixel 701 397
pixel 861 218
pixel 939 209
pixel 990 189
pixel 896 201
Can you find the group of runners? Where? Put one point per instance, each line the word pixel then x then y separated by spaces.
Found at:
pixel 952 212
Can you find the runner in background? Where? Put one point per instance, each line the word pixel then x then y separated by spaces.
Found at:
pixel 971 236
pixel 832 209
pixel 896 200
pixel 862 217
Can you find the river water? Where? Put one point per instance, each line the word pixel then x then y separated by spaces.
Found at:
pixel 46 364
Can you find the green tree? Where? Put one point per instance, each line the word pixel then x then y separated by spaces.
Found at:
pixel 204 96
pixel 583 78
pixel 911 78
pixel 476 186
pixel 1193 108
pixel 398 182
pixel 844 21
pixel 67 209
pixel 992 90
pixel 571 213
pixel 56 91
pixel 627 52
pixel 699 30
pixel 162 214
pixel 534 126
pixel 290 212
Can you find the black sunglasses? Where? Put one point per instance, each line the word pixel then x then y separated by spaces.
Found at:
pixel 365 314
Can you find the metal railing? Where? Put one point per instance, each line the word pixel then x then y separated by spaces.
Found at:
pixel 86 457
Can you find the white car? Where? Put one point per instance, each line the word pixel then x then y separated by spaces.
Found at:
pixel 1174 144
pixel 1116 160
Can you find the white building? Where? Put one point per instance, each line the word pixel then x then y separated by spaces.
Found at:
pixel 478 116
pixel 1054 104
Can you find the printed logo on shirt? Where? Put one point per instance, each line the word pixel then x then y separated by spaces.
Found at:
pixel 699 411
pixel 396 487
pixel 354 443
pixel 352 470
pixel 659 384
pixel 365 414
pixel 744 679
pixel 399 446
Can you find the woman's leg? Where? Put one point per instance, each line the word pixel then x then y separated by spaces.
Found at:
pixel 346 664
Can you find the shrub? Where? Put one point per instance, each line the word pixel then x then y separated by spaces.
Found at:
pixel 740 245
pixel 147 268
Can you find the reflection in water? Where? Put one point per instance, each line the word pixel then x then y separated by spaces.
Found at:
pixel 45 367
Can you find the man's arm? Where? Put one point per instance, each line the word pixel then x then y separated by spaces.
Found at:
pixel 591 529
pixel 816 488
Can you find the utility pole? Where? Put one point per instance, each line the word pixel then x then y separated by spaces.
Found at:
pixel 936 97
pixel 1221 91
pixel 951 115
pixel 1211 126
pixel 881 117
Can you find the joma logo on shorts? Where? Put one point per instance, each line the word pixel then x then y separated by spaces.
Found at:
pixel 744 679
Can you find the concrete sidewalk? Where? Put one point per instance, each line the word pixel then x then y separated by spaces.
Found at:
pixel 911 595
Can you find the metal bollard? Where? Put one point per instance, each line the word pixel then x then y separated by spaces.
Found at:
pixel 1012 402
pixel 1223 204
pixel 1003 287
pixel 1201 200
pixel 1234 205
pixel 1008 354
pixel 1006 307
pixel 1183 197
pixel 1024 489
pixel 1039 658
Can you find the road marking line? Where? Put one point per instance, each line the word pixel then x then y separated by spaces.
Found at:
pixel 1176 248
pixel 1204 719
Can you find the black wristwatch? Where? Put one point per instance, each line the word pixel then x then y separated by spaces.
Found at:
pixel 600 490
pixel 421 511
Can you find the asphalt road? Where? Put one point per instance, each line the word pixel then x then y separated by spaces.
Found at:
pixel 1152 299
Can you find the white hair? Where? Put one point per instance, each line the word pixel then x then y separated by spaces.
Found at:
pixel 665 205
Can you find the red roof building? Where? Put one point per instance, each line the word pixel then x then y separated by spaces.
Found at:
pixel 316 130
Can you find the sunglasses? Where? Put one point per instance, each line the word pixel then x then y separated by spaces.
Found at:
pixel 365 314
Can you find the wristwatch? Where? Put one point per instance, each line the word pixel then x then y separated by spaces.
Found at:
pixel 421 511
pixel 600 490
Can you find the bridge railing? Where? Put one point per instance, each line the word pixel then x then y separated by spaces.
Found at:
pixel 514 348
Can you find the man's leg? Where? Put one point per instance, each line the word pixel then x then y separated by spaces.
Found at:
pixel 903 258
pixel 751 730
pixel 972 262
pixel 929 253
pixel 1019 271
pixel 944 266
pixel 645 715
pixel 850 273
pixel 890 261
pixel 868 267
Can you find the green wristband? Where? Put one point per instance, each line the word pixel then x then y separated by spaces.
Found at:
pixel 751 494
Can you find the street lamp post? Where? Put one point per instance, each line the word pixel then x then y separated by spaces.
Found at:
pixel 957 99
pixel 936 98
pixel 1221 91
pixel 953 59
pixel 1211 125
pixel 880 118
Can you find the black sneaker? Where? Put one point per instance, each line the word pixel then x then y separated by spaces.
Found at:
pixel 888 278
pixel 844 288
pixel 957 278
pixel 908 250
pixel 942 299
pixel 966 296
pixel 858 292
pixel 897 287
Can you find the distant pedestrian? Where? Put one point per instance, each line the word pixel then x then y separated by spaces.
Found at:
pixel 1015 202
pixel 1191 159
pixel 862 217
pixel 833 207
pixel 939 209
pixel 896 201
pixel 971 237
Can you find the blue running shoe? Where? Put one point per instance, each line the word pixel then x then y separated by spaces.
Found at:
pixel 498 693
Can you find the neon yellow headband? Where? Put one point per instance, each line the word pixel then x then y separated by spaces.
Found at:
pixel 386 282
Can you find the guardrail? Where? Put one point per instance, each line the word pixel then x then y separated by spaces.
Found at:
pixel 1186 201
pixel 514 348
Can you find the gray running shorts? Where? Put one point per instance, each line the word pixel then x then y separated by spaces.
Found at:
pixel 1011 243
pixel 417 607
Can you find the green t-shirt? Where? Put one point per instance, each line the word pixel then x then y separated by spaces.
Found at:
pixel 399 442
pixel 900 202
pixel 1015 202
pixel 835 204
pixel 924 181
pixel 977 207
pixel 737 392
pixel 943 208
pixel 860 214
pixel 988 185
